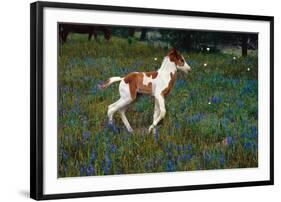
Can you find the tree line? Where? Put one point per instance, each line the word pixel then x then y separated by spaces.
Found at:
pixel 193 40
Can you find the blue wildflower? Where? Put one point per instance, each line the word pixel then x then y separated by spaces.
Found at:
pixel 96 140
pixel 254 132
pixel 179 148
pixel 170 154
pixel 207 157
pixel 113 148
pixel 179 83
pixel 90 170
pixel 170 166
pixel 247 145
pixel 190 62
pixel 189 156
pixel 222 159
pixel 85 135
pixel 177 125
pixel 156 135
pixel 244 135
pixel 92 157
pixel 189 147
pixel 228 140
pixel 82 170
pixel 184 157
pixel 215 100
pixel 195 118
pixel 170 145
pixel 106 164
pixel 64 155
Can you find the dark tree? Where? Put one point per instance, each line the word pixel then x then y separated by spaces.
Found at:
pixel 143 34
pixel 244 44
pixel 131 32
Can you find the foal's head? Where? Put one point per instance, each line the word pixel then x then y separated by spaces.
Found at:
pixel 179 61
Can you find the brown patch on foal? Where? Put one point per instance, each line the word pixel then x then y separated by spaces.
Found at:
pixel 135 82
pixel 175 57
pixel 153 74
pixel 167 90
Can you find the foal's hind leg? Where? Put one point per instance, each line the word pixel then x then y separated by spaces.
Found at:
pixel 125 120
pixel 110 111
pixel 121 103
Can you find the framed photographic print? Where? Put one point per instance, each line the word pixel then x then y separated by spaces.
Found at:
pixel 134 100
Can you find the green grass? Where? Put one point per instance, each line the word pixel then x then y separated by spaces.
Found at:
pixel 211 120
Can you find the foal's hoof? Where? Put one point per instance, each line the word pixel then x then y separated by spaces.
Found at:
pixel 130 130
pixel 150 128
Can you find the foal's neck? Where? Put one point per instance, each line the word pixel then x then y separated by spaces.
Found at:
pixel 167 67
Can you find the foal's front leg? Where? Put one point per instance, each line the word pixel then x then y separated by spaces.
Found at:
pixel 161 114
pixel 156 111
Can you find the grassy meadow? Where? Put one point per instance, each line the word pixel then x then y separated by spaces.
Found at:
pixel 211 120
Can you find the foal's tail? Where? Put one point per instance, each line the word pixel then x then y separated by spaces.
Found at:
pixel 109 82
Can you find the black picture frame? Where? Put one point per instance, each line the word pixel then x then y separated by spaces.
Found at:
pixel 37 99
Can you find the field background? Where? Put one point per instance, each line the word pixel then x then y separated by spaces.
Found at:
pixel 211 120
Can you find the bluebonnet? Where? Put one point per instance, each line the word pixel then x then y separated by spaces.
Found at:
pixel 247 145
pixel 222 159
pixel 208 157
pixel 179 83
pixel 92 157
pixel 229 140
pixel 106 163
pixel 64 155
pixel 215 99
pixel 179 148
pixel 177 125
pixel 170 155
pixel 189 147
pixel 234 81
pixel 254 132
pixel 249 87
pixel 195 118
pixel 190 62
pixel 85 135
pixel 90 170
pixel 113 148
pixel 170 166
pixel 82 170
pixel 156 135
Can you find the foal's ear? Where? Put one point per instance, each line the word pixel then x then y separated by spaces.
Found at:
pixel 173 51
pixel 173 54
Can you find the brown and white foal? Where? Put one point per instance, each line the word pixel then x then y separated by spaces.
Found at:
pixel 157 84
